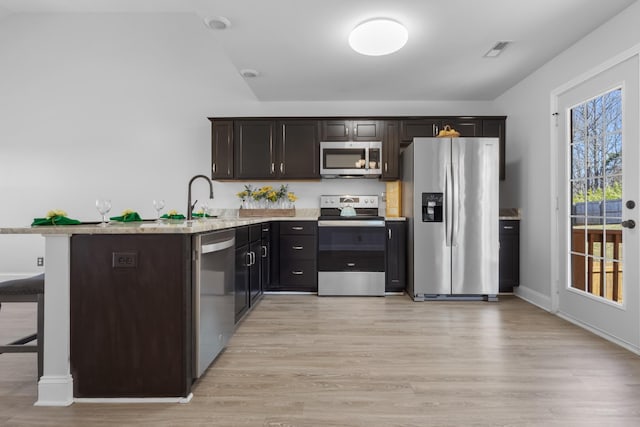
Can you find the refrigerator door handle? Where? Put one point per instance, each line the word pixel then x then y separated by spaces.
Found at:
pixel 455 171
pixel 448 222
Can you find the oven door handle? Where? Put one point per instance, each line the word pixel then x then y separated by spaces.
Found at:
pixel 351 223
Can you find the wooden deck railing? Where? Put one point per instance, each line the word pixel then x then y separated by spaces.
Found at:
pixel 603 277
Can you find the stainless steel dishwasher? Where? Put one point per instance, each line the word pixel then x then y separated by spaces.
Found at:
pixel 213 295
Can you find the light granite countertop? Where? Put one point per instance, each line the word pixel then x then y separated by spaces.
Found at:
pixel 510 213
pixel 166 226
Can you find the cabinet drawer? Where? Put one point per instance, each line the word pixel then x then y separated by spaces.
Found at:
pixel 298 247
pixel 294 272
pixel 298 227
pixel 509 227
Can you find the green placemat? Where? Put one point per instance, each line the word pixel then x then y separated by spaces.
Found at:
pixel 173 216
pixel 127 217
pixel 55 220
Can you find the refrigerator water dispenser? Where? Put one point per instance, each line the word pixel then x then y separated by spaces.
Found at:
pixel 432 207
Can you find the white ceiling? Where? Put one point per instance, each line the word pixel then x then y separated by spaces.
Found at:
pixel 300 46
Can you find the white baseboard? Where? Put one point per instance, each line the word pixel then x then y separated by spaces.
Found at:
pixel 533 297
pixel 602 334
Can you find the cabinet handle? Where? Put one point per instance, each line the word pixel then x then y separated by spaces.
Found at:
pixel 508 227
pixel 386 167
pixel 253 258
pixel 389 231
pixel 351 264
pixel 297 228
pixel 347 129
pixel 248 259
pixel 297 273
pixel 264 251
pixel 265 229
pixel 213 168
pixel 281 167
pixel 355 130
pixel 297 248
pixel 273 167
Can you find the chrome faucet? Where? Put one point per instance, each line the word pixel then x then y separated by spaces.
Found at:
pixel 189 205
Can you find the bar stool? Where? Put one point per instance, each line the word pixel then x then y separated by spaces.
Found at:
pixel 30 289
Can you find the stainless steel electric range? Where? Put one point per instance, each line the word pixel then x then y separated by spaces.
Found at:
pixel 351 246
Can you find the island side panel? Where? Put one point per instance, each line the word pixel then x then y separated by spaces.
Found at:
pixel 131 315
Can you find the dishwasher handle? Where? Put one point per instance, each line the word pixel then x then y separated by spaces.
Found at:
pixel 219 246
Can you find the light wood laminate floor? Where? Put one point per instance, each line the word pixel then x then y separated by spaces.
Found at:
pixel 300 360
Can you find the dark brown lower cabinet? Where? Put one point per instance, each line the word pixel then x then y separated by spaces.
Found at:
pixel 248 283
pixel 298 269
pixel 509 255
pixel 130 314
pixel 396 257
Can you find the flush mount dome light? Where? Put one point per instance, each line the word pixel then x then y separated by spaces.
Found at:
pixel 380 36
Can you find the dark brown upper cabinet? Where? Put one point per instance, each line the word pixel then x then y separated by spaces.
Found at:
pixel 466 126
pixel 288 148
pixel 391 151
pixel 275 149
pixel 221 149
pixel 352 130
pixel 254 149
pixel 298 149
pixel 415 128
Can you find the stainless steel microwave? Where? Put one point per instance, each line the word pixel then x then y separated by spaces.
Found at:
pixel 350 159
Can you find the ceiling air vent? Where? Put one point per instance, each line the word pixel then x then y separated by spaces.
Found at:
pixel 496 49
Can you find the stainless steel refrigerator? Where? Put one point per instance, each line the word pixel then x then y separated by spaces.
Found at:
pixel 450 199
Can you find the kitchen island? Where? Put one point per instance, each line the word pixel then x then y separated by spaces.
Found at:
pixel 56 387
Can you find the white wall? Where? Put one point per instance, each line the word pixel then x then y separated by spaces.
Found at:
pixel 529 152
pixel 116 106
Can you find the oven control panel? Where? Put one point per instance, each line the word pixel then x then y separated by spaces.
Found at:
pixel 348 200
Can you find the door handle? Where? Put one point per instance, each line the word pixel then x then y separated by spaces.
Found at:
pixel 629 223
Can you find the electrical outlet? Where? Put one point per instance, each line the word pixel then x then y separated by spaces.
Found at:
pixel 40 261
pixel 124 259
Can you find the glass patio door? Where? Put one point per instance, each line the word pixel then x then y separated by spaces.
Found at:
pixel 599 175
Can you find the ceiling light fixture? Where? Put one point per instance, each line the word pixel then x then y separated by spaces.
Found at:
pixel 496 49
pixel 249 73
pixel 377 37
pixel 217 23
